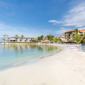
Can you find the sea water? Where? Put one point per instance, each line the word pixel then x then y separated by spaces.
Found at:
pixel 14 55
pixel 83 47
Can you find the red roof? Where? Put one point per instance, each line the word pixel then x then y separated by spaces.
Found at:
pixel 82 30
pixel 61 37
pixel 71 29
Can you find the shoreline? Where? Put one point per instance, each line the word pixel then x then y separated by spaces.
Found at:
pixel 64 68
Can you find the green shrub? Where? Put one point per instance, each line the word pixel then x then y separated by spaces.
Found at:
pixel 63 41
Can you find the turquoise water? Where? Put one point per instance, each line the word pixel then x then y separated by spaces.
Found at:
pixel 83 47
pixel 13 54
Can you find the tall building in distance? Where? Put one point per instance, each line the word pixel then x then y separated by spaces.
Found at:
pixel 70 33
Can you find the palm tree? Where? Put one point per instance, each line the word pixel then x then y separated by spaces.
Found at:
pixel 16 35
pixel 50 37
pixel 75 35
pixel 76 31
pixel 57 40
pixel 22 36
pixel 84 35
pixel 42 36
pixel 83 40
pixel 39 38
pixel 46 38
pixel 78 38
pixel 33 38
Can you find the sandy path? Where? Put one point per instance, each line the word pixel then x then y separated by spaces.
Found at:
pixel 64 68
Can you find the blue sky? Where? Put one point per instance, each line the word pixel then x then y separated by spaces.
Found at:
pixel 33 18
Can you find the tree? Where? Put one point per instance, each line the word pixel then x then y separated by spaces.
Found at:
pixel 84 35
pixel 46 38
pixel 39 38
pixel 83 40
pixel 16 35
pixel 42 36
pixel 33 38
pixel 60 40
pixel 78 38
pixel 63 41
pixel 22 36
pixel 76 31
pixel 53 40
pixel 57 40
pixel 50 37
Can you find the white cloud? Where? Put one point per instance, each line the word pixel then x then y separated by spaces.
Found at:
pixel 75 17
pixel 55 22
pixel 27 32
pixel 81 28
pixel 61 31
pixel 13 30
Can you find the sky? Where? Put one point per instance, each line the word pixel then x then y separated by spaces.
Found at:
pixel 33 18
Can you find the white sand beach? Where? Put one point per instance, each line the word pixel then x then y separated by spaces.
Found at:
pixel 64 68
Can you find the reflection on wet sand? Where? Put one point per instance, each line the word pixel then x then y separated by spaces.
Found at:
pixel 16 48
pixel 11 54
